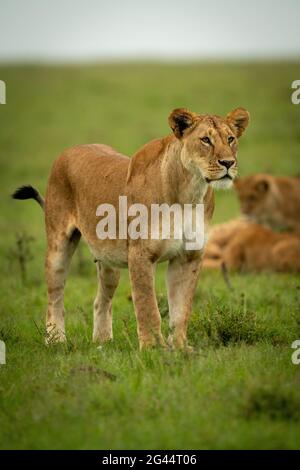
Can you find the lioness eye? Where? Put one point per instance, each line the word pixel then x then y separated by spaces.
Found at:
pixel 206 140
pixel 230 139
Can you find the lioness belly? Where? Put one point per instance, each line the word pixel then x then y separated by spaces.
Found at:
pixel 110 252
pixel 115 252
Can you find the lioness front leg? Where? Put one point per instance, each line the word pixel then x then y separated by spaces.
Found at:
pixel 141 271
pixel 182 276
pixel 108 281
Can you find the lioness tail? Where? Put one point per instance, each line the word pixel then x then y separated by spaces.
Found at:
pixel 28 192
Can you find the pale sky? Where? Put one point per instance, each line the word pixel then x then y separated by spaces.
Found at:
pixel 50 30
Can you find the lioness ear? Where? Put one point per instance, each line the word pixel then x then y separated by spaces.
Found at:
pixel 239 120
pixel 181 119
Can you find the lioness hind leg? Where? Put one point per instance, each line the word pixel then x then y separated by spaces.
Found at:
pixel 108 281
pixel 59 253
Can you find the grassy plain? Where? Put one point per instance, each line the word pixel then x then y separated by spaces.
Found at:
pixel 240 388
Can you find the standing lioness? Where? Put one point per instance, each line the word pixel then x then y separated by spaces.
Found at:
pixel 182 168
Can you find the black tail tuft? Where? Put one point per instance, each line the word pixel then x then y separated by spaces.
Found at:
pixel 28 192
pixel 25 192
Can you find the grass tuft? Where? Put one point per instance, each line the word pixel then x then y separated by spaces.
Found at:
pixel 231 324
pixel 276 403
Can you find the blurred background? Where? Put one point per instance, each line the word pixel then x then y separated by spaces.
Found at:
pixel 76 30
pixel 86 71
pixel 96 71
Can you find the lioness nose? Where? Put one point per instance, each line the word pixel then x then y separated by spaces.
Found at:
pixel 226 163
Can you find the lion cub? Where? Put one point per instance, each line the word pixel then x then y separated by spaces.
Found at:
pixel 273 201
pixel 251 247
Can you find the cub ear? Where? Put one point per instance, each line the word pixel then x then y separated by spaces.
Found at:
pixel 180 120
pixel 262 186
pixel 238 119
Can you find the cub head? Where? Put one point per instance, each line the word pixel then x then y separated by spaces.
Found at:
pixel 256 195
pixel 210 143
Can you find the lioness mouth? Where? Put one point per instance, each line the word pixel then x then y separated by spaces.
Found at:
pixel 209 180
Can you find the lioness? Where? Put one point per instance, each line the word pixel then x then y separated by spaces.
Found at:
pixel 273 201
pixel 181 168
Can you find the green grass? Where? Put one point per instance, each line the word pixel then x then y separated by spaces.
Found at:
pixel 240 388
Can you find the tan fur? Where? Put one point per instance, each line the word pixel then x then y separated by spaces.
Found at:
pixel 220 236
pixel 180 168
pixel 252 247
pixel 273 201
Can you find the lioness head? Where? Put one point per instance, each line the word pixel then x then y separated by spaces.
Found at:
pixel 209 143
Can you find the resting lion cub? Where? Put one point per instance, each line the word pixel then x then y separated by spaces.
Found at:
pixel 181 168
pixel 273 201
pixel 219 238
pixel 252 247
